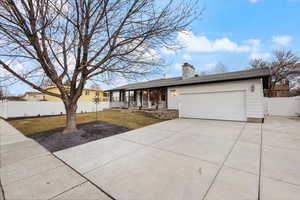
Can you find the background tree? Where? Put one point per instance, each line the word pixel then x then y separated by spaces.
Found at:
pixel 46 82
pixel 285 65
pixel 95 86
pixel 79 40
pixel 1 93
pixel 220 68
pixel 202 73
pixel 4 93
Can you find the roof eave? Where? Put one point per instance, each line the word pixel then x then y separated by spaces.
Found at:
pixel 195 83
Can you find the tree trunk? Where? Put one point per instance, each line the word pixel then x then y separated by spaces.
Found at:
pixel 70 118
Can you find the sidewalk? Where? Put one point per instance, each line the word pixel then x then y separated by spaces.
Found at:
pixel 28 171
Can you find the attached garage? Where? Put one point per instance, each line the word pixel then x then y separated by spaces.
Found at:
pixel 224 105
pixel 240 100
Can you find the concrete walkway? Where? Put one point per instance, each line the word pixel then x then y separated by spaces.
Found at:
pixel 178 159
pixel 195 159
pixel 28 171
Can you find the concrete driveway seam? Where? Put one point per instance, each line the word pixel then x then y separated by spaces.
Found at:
pixel 223 163
pixel 67 190
pixel 279 180
pixel 107 194
pixel 260 160
pixel 2 194
pixel 169 151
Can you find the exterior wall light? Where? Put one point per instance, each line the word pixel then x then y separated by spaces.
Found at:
pixel 173 93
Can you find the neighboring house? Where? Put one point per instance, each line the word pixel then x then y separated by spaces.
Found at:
pixel 281 89
pixel 33 96
pixel 87 94
pixel 228 96
pixel 12 98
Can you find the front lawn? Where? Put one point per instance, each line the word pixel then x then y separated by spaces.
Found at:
pixel 131 120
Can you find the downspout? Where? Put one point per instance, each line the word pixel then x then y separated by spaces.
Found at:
pixel 141 98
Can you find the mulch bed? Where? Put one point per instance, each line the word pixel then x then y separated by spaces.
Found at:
pixel 55 140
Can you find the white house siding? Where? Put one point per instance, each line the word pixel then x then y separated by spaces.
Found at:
pixel 254 100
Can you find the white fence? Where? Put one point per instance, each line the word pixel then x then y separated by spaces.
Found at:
pixel 282 106
pixel 276 106
pixel 12 109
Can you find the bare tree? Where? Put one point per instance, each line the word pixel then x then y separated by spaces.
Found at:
pixel 203 73
pixel 78 40
pixel 220 68
pixel 259 64
pixel 95 86
pixel 1 93
pixel 285 65
pixel 46 83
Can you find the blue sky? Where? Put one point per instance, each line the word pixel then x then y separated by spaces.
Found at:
pixel 232 32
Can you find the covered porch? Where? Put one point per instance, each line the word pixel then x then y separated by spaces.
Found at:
pixel 139 99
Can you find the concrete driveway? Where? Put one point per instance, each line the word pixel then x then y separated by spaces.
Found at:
pixel 195 159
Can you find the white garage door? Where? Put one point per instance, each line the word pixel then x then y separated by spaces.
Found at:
pixel 214 105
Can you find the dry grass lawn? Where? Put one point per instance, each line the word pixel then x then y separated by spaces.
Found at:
pixel 130 120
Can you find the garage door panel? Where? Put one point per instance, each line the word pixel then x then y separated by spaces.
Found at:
pixel 215 105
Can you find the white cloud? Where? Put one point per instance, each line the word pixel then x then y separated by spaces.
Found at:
pixel 18 67
pixel 178 66
pixel 283 40
pixel 260 55
pixel 186 57
pixel 141 52
pixel 150 55
pixel 253 1
pixel 165 50
pixel 15 66
pixel 256 50
pixel 195 43
pixel 209 66
pixel 254 43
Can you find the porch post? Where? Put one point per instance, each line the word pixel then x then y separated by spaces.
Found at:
pixel 149 102
pixel 135 99
pixel 128 98
pixel 141 98
pixel 166 93
pixel 110 96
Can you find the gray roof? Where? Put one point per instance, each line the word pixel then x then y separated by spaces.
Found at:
pixel 178 81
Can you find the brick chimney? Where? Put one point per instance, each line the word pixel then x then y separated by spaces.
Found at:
pixel 188 71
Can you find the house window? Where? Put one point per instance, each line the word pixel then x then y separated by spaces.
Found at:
pixel 132 96
pixel 115 96
pixel 87 92
pixel 105 94
pixel 97 94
